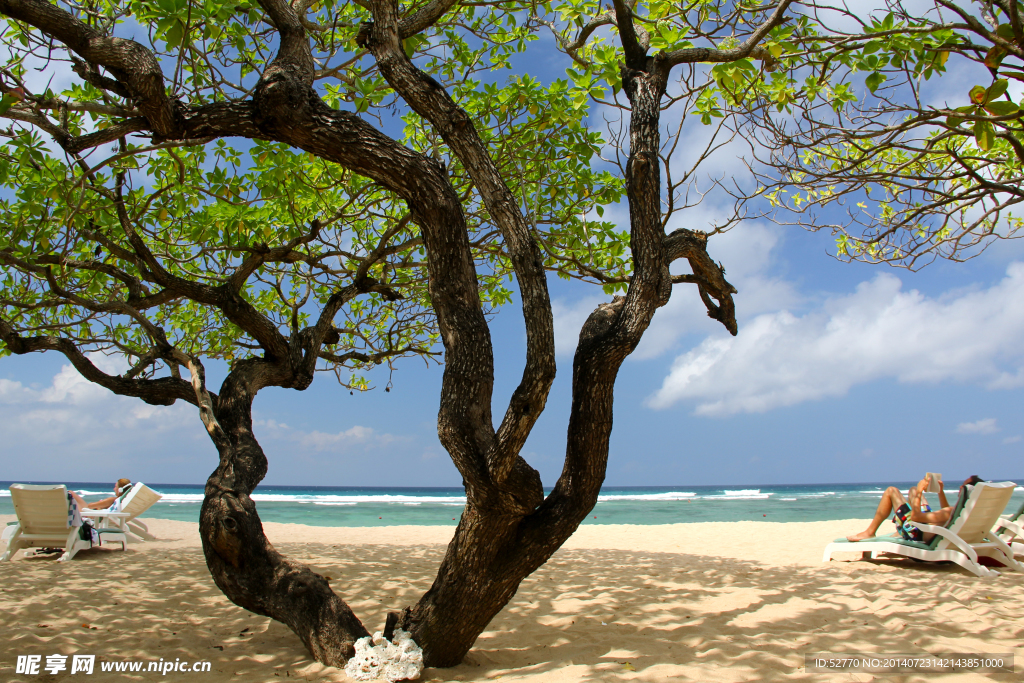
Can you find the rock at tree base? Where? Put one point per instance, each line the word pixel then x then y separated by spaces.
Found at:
pixel 400 660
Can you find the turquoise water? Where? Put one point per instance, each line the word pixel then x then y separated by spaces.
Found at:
pixel 379 506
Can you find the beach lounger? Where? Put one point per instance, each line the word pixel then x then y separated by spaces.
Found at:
pixel 137 500
pixel 1011 531
pixel 969 534
pixel 44 521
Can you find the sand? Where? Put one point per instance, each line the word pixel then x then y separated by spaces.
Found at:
pixel 740 601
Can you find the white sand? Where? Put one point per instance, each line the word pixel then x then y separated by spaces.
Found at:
pixel 737 601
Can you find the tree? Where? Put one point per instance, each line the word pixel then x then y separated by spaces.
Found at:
pixel 332 210
pixel 229 262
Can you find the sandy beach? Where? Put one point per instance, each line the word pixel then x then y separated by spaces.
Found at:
pixel 739 601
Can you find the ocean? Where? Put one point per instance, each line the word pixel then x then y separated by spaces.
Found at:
pixel 383 506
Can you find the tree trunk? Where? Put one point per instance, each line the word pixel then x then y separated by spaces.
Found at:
pixel 243 563
pixel 495 547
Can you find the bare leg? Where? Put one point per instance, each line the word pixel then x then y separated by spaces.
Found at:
pixel 98 505
pixel 891 499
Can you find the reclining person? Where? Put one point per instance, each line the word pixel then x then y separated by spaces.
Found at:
pixel 917 510
pixel 120 488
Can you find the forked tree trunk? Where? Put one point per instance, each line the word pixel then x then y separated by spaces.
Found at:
pixel 495 548
pixel 493 551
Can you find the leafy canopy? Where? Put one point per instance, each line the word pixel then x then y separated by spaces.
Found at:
pixel 835 109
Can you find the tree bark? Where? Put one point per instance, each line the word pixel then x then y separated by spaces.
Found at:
pixel 243 563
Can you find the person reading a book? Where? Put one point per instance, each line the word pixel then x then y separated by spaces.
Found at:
pixel 913 508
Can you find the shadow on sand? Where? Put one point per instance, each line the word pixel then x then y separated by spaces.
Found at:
pixel 586 616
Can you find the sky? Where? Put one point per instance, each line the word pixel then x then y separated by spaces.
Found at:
pixel 840 373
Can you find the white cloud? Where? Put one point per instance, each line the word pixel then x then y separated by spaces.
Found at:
pixel 780 359
pixel 13 392
pixel 322 441
pixel 77 431
pixel 1012 439
pixel 985 426
pixel 316 440
pixel 69 387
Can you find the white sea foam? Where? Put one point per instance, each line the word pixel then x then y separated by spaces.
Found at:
pixel 763 496
pixel 672 495
pixel 180 498
pixel 323 499
pixel 195 497
pixel 356 498
pixel 742 494
pixel 315 499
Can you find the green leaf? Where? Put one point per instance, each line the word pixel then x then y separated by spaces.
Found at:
pixel 984 134
pixel 6 102
pixel 1002 108
pixel 953 121
pixel 874 80
pixel 996 89
pixel 978 94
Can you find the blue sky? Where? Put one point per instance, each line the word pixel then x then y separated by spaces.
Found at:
pixel 840 373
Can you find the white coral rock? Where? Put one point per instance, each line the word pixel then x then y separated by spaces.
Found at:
pixel 393 661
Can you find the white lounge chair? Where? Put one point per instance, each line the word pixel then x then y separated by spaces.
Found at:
pixel 133 503
pixel 44 522
pixel 1011 531
pixel 969 534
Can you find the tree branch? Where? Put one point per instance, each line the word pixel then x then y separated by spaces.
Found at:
pixel 161 392
pixel 636 55
pixel 424 17
pixel 747 49
pixel 228 300
pixel 131 63
pixel 432 102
